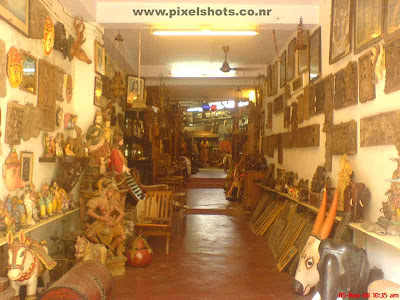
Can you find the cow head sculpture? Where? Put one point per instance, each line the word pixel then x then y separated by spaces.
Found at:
pixel 307 275
pixel 343 268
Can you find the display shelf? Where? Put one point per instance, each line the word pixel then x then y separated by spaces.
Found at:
pixel 42 223
pixel 388 239
pixel 309 206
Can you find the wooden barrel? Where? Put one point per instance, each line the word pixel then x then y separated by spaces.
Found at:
pixel 89 280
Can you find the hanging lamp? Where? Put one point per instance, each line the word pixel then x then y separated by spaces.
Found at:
pixel 140 102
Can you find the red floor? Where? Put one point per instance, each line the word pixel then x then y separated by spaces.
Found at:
pixel 217 258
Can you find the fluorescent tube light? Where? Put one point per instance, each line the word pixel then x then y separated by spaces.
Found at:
pixel 205 32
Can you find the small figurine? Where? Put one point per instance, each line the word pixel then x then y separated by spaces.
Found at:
pixel 63 201
pixel 85 250
pixel 59 144
pixel 29 205
pixel 15 213
pixel 43 200
pixel 108 131
pixel 9 203
pixel 22 213
pixel 56 196
pixel 318 181
pixel 68 150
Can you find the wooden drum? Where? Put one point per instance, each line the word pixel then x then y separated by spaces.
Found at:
pixel 89 280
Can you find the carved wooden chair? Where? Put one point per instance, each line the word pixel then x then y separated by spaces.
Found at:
pixel 157 215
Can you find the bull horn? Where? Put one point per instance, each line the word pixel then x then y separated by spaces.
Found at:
pixel 330 219
pixel 320 216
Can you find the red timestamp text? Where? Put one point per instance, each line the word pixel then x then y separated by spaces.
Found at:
pixel 368 295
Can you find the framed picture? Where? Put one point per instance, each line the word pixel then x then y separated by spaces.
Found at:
pixel 368 23
pixel 98 90
pixel 70 121
pixel 135 90
pixel 282 69
pixel 315 55
pixel 291 60
pixel 341 30
pixel 274 78
pixel 99 58
pixel 29 73
pixel 303 55
pixel 26 166
pixel 392 20
pixel 16 13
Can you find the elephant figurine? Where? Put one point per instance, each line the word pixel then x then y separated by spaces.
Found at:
pixel 343 268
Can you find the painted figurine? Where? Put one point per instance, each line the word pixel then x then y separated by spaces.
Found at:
pixel 48 36
pixel 29 206
pixel 56 196
pixel 63 201
pixel 97 143
pixel 22 213
pixel 42 201
pixel 343 180
pixel 59 144
pixel 49 202
pixel 14 67
pixel 68 150
pixel 118 161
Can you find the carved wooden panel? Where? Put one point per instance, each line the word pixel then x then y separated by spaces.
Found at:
pixel 279 143
pixel 31 122
pixel 274 78
pixel 15 114
pixel 367 77
pixel 298 83
pixel 381 129
pixel 269 116
pixel 37 15
pixel 344 138
pixel 287 140
pixel 319 97
pixel 311 99
pixel 271 146
pixel 286 118
pixel 300 109
pixel 264 145
pixel 3 68
pixel 279 104
pixel 47 94
pixel 59 84
pixel 307 136
pixel 306 103
pixel 346 86
pixel 293 118
pixel 328 105
pixel 392 62
pixel 287 92
pixel 328 151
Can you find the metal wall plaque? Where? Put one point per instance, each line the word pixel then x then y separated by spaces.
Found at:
pixel 15 114
pixel 367 77
pixel 346 86
pixel 279 104
pixel 308 136
pixel 392 61
pixel 311 99
pixel 381 129
pixel 344 138
pixel 298 83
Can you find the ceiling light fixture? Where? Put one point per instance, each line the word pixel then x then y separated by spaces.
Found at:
pixel 206 32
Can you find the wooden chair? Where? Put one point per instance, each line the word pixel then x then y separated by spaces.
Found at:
pixel 157 215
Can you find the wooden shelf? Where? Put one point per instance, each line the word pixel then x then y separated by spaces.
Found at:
pixel 388 239
pixel 42 223
pixel 309 206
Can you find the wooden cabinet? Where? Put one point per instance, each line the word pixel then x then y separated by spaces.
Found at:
pixel 252 192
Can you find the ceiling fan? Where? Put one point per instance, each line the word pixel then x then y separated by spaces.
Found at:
pixel 226 68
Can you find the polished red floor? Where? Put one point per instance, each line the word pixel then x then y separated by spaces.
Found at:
pixel 217 257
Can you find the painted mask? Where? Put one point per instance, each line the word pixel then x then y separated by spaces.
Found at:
pixel 12 172
pixel 14 67
pixel 48 37
pixel 70 89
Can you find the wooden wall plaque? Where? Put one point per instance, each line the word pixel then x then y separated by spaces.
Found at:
pixel 15 114
pixel 286 118
pixel 279 104
pixel 381 129
pixel 287 92
pixel 307 136
pixel 271 146
pixel 298 83
pixel 344 138
pixel 328 151
pixel 367 77
pixel 300 109
pixel 269 115
pixel 293 118
pixel 279 144
pixel 59 84
pixel 311 99
pixel 274 78
pixel 319 97
pixel 47 94
pixel 328 105
pixel 287 140
pixel 264 145
pixel 306 103
pixel 37 14
pixel 346 86
pixel 392 62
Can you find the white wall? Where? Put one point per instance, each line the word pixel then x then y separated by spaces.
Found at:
pixel 371 165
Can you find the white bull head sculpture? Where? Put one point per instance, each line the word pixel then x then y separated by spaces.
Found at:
pixel 307 275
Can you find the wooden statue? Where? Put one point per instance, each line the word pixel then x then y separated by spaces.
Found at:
pixel 48 36
pixel 27 261
pixel 77 50
pixel 14 67
pixel 85 250
pixel 96 139
pixel 343 179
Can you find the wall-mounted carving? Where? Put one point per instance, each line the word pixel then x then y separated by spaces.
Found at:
pixel 307 136
pixel 298 83
pixel 264 145
pixel 271 146
pixel 3 68
pixel 31 122
pixel 367 77
pixel 328 151
pixel 311 99
pixel 306 103
pixel 381 129
pixel 47 94
pixel 37 15
pixel 61 43
pixel 287 140
pixel 300 109
pixel 15 114
pixel 107 90
pixel 293 117
pixel 346 86
pixel 70 89
pixel 328 103
pixel 288 94
pixel 14 67
pixel 286 118
pixel 279 144
pixel 344 138
pixel 274 78
pixel 59 84
pixel 76 49
pixel 319 97
pixel 279 104
pixel 392 62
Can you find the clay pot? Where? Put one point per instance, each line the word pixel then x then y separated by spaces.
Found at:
pixel 141 255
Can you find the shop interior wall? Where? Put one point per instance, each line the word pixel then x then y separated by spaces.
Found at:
pixel 371 165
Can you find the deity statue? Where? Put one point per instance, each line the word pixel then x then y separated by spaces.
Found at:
pixel 30 205
pixel 43 200
pixel 97 143
pixel 59 144
pixel 108 133
pixel 343 180
pixel 57 197
pixel 48 36
pixel 22 213
pixel 204 145
pixel 118 161
pixel 107 212
pixel 14 67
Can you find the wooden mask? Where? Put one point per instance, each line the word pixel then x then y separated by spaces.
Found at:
pixel 14 67
pixel 12 172
pixel 48 36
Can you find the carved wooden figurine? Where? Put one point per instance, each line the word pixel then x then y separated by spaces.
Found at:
pixel 27 261
pixel 85 250
pixel 77 50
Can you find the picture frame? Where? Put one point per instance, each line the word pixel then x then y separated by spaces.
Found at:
pixel 274 79
pixel 135 89
pixel 392 20
pixel 291 60
pixel 26 159
pixel 98 90
pixel 315 55
pixel 341 30
pixel 368 23
pixel 282 69
pixel 29 73
pixel 99 58
pixel 304 55
pixel 16 13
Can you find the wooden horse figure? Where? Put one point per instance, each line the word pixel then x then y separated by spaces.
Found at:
pixel 85 250
pixel 27 260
